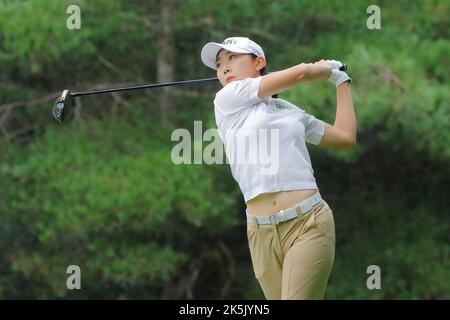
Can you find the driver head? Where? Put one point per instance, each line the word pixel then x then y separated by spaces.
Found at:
pixel 61 108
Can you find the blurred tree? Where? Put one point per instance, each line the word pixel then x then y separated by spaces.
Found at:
pixel 102 191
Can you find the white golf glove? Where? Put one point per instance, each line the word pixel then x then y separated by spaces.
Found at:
pixel 335 64
pixel 337 77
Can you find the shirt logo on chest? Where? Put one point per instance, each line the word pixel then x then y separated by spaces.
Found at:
pixel 280 105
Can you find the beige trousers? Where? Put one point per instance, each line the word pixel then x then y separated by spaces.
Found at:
pixel 293 260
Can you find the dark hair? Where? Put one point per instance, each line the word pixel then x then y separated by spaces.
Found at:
pixel 262 72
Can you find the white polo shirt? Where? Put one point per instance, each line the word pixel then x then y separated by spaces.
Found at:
pixel 265 139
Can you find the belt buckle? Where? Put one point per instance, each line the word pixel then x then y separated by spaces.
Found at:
pixel 274 219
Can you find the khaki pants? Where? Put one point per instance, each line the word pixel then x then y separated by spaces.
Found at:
pixel 293 260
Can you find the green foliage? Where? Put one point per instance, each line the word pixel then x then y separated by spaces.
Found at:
pixel 36 42
pixel 407 246
pixel 105 197
pixel 102 192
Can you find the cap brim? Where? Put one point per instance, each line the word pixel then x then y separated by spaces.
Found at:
pixel 210 50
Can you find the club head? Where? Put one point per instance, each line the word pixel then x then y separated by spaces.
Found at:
pixel 62 109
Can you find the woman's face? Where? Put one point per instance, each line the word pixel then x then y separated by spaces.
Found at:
pixel 233 66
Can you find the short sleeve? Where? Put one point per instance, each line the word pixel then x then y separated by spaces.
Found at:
pixel 238 95
pixel 314 129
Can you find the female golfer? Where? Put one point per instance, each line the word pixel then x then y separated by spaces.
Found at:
pixel 290 228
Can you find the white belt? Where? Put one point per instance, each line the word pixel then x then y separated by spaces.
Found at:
pixel 287 214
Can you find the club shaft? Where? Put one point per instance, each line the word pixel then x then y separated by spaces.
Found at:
pixel 145 86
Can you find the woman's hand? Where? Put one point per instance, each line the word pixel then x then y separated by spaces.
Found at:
pixel 319 70
pixel 337 76
pixel 335 64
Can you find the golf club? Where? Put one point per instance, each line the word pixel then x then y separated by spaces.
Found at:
pixel 61 107
pixel 62 104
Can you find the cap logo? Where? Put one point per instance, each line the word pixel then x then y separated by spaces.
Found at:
pixel 254 50
pixel 229 41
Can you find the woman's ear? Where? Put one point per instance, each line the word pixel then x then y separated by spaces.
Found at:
pixel 260 63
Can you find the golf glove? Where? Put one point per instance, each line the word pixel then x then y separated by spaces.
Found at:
pixel 337 77
pixel 335 64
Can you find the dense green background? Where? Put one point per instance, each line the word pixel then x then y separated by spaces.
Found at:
pixel 102 192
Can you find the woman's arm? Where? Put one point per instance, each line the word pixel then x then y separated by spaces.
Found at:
pixel 343 133
pixel 283 80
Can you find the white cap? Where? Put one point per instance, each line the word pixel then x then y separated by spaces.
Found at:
pixel 233 44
